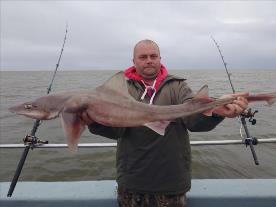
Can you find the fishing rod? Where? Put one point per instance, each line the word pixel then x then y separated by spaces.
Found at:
pixel 249 140
pixel 31 140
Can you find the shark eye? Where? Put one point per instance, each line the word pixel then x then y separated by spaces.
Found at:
pixel 28 106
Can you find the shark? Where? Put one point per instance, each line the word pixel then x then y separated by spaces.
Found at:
pixel 111 105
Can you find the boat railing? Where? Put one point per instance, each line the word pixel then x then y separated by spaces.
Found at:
pixel 114 144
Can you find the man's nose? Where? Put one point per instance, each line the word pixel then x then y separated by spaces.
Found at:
pixel 149 59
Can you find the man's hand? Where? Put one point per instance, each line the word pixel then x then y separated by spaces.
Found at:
pixel 231 110
pixel 86 118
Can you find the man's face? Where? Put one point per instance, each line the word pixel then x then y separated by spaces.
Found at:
pixel 147 60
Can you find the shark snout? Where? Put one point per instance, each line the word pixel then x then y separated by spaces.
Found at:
pixel 27 110
pixel 14 109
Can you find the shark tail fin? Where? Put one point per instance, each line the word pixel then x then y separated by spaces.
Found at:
pixel 272 100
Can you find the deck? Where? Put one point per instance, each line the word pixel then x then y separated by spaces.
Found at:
pixel 206 192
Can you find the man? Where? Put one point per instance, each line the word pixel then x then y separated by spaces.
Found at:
pixel 155 170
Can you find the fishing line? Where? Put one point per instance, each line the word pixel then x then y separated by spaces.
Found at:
pixel 229 78
pixel 248 114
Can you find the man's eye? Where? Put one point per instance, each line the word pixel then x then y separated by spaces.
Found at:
pixel 143 57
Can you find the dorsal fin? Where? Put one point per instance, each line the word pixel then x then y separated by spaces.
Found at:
pixel 203 92
pixel 117 83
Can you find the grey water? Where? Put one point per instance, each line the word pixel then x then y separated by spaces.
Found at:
pixel 231 161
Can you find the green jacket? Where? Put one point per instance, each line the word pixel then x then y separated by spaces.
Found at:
pixel 148 162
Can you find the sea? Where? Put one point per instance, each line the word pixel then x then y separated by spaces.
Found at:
pixel 60 164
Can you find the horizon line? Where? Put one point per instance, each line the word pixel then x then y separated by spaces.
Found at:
pixel 185 69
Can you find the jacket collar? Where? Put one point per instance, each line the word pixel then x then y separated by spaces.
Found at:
pixel 168 78
pixel 132 74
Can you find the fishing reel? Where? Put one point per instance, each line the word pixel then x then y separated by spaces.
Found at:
pixel 249 140
pixel 33 140
pixel 249 115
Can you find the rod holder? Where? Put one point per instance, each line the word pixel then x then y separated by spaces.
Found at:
pixel 249 140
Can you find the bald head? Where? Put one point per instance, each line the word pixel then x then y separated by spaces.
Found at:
pixel 146 59
pixel 145 42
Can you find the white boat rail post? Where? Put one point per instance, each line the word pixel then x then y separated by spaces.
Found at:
pixel 31 140
pixel 248 140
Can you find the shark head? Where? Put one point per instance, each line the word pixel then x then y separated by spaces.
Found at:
pixel 43 108
pixel 31 109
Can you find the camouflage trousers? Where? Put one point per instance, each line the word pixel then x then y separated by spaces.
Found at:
pixel 129 199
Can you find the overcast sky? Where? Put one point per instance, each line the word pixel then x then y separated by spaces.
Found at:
pixel 101 34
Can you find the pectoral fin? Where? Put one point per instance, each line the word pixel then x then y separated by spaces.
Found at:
pixel 158 126
pixel 73 128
